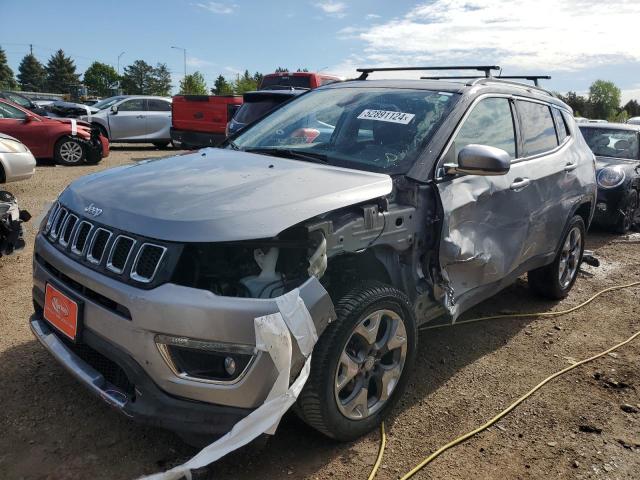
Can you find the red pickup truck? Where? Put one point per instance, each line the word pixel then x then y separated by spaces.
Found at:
pixel 297 80
pixel 201 120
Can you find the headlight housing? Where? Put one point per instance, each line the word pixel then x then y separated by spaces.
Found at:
pixel 610 177
pixel 12 146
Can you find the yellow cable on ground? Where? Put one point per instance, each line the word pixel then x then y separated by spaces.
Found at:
pixel 483 427
pixel 383 443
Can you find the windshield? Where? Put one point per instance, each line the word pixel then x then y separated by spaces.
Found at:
pixel 19 99
pixel 375 129
pixel 106 103
pixel 612 142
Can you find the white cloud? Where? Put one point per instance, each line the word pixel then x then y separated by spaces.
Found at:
pixel 371 16
pixel 217 7
pixel 630 94
pixel 520 35
pixel 198 62
pixel 331 8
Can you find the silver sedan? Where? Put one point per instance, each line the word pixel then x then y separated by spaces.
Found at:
pixel 16 160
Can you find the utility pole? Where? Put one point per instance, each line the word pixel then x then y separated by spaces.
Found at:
pixel 184 51
pixel 31 49
pixel 121 53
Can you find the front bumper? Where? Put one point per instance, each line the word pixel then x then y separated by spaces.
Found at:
pixel 17 165
pixel 126 387
pixel 610 206
pixel 173 310
pixel 197 139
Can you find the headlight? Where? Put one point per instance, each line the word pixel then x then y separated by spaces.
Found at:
pixel 11 146
pixel 610 177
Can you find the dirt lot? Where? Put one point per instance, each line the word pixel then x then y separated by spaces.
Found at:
pixel 574 428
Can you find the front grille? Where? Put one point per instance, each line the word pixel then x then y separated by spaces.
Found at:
pixel 130 258
pixel 110 370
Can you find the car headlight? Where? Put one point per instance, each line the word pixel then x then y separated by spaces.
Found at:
pixel 11 146
pixel 610 177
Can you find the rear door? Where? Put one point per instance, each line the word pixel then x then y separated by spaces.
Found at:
pixel 485 226
pixel 158 119
pixel 129 123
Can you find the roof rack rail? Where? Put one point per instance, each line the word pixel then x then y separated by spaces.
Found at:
pixel 364 72
pixel 533 78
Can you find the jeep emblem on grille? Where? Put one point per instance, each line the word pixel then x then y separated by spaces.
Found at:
pixel 93 210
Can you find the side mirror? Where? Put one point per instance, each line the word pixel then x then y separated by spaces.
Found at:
pixel 28 119
pixel 114 109
pixel 481 160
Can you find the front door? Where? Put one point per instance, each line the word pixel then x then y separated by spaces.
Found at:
pixel 486 221
pixel 14 122
pixel 129 122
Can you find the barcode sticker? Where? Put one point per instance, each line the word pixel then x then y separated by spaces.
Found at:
pixel 386 116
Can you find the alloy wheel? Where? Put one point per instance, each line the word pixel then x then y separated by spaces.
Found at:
pixel 570 257
pixel 71 152
pixel 371 364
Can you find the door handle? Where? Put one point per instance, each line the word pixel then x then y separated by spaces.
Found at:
pixel 140 116
pixel 570 166
pixel 520 184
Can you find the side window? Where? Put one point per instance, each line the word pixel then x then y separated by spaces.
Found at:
pixel 561 125
pixel 538 131
pixel 135 105
pixel 489 123
pixel 154 105
pixel 7 111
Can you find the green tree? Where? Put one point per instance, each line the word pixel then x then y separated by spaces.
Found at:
pixel 101 79
pixel 137 78
pixel 222 87
pixel 6 74
pixel 633 108
pixel 193 84
pixel 605 99
pixel 581 106
pixel 160 81
pixel 31 74
pixel 61 73
pixel 244 83
pixel 258 77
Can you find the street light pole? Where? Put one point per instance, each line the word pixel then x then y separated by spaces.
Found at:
pixel 121 53
pixel 119 84
pixel 184 51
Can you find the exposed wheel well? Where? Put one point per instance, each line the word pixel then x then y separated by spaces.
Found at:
pixel 584 211
pixel 102 129
pixel 346 270
pixel 3 177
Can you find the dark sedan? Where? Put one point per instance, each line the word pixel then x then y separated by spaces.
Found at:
pixel 617 149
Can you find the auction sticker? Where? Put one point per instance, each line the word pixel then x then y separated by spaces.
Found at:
pixel 386 116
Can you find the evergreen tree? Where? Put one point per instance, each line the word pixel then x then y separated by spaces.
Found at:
pixel 101 79
pixel 222 87
pixel 61 73
pixel 245 83
pixel 137 78
pixel 193 84
pixel 633 108
pixel 6 74
pixel 161 81
pixel 31 74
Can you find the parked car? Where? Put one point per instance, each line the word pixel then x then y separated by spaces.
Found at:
pixel 427 198
pixel 67 141
pixel 297 80
pixel 132 119
pixel 617 149
pixel 634 121
pixel 24 102
pixel 256 105
pixel 201 120
pixel 16 161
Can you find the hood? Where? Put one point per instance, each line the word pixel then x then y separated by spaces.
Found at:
pixel 217 195
pixel 602 162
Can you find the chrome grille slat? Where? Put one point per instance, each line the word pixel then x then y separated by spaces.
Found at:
pixel 135 275
pixel 67 229
pixel 115 264
pixel 52 214
pixel 57 223
pixel 80 240
pixel 91 251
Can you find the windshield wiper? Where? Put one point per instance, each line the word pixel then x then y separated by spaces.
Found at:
pixel 233 145
pixel 291 153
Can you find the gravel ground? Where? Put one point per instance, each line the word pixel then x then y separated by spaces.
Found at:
pixel 574 428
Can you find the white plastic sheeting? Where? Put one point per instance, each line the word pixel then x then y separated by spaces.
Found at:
pixel 274 338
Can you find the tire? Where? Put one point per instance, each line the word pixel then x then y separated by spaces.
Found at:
pixel 69 151
pixel 161 145
pixel 554 281
pixel 335 410
pixel 631 213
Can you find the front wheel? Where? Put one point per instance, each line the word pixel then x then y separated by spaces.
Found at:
pixel 69 151
pixel 631 215
pixel 361 363
pixel 554 281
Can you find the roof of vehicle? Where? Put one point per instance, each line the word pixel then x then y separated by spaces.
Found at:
pixel 271 93
pixel 477 85
pixel 300 74
pixel 611 126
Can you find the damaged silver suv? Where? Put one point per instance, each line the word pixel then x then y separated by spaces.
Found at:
pixel 389 205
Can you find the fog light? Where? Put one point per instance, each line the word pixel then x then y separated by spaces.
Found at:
pixel 230 366
pixel 205 361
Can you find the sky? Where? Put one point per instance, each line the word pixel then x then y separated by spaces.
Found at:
pixel 574 41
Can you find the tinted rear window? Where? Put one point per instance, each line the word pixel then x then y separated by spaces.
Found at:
pixel 299 82
pixel 251 111
pixel 538 130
